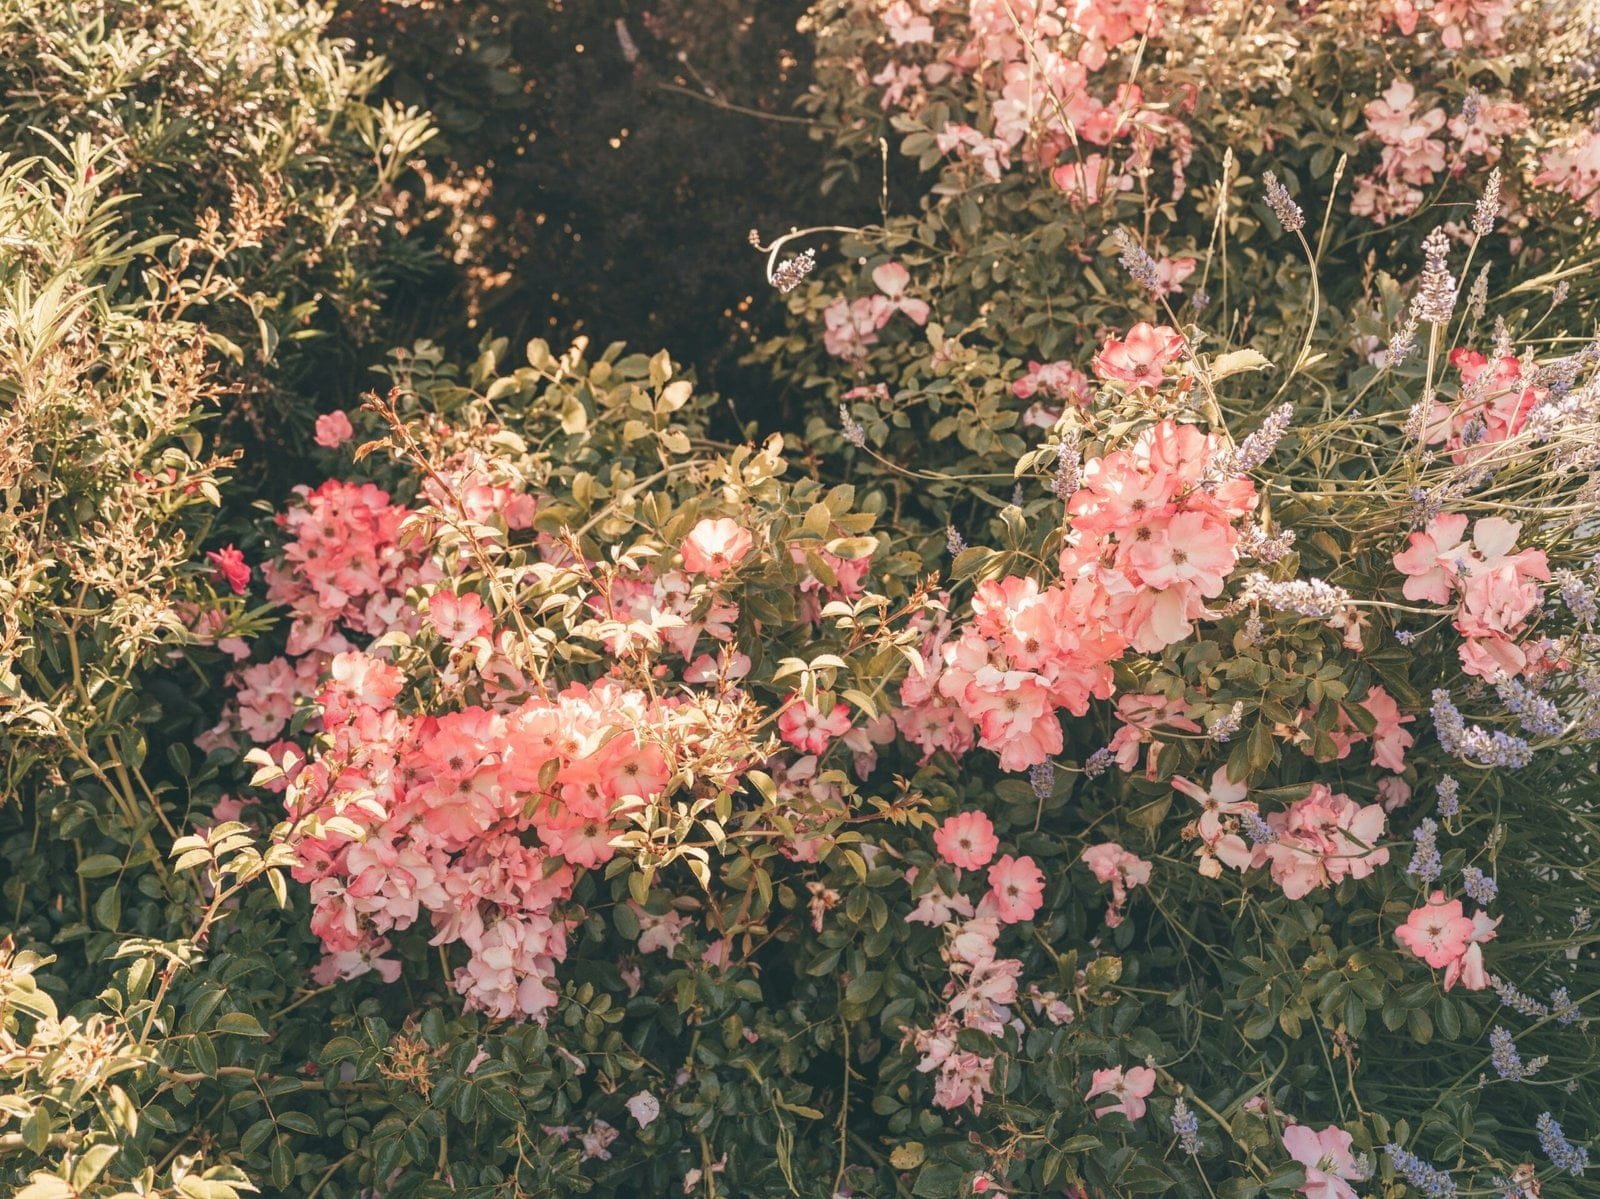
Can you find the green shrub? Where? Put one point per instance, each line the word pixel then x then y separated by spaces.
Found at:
pixel 241 128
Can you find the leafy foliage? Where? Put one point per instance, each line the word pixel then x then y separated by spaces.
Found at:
pixel 1126 745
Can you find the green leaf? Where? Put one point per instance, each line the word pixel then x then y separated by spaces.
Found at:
pixel 92 1163
pixel 240 1024
pixel 339 1049
pixel 298 1122
pixel 108 908
pixel 99 865
pixel 196 1187
pixel 203 1053
pixel 257 1135
pixel 939 1180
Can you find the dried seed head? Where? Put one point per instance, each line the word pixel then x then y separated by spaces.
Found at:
pixel 1488 206
pixel 791 271
pixel 1282 204
pixel 1436 295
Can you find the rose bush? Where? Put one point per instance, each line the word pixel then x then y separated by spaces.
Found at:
pixel 1121 745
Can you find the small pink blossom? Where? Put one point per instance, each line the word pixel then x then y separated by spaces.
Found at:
pixel 231 566
pixel 1221 808
pixel 1438 932
pixel 459 619
pixel 1330 1165
pixel 905 25
pixel 1389 739
pixel 1129 1088
pixel 1469 969
pixel 1322 839
pixel 644 1108
pixel 803 726
pixel 1140 359
pixel 967 841
pixel 1016 887
pixel 1059 381
pixel 1122 870
pixel 892 279
pixel 333 430
pixel 714 547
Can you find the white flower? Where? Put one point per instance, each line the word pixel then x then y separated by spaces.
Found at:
pixel 644 1107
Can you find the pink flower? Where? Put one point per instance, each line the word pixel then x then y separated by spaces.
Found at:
pixel 1218 826
pixel 1389 740
pixel 1016 714
pixel 1055 380
pixel 1223 799
pixel 231 566
pixel 1141 357
pixel 803 726
pixel 891 279
pixel 905 25
pixel 937 908
pixel 644 1108
pixel 361 679
pixel 333 430
pixel 1016 887
pixel 714 547
pixel 1575 170
pixel 597 1141
pixel 1087 182
pixel 1438 932
pixel 459 619
pixel 963 1078
pixel 660 932
pixel 1122 870
pixel 1328 1161
pixel 1171 272
pixel 849 327
pixel 1322 839
pixel 1129 1089
pixel 967 841
pixel 1433 559
pixel 1191 547
pixel 1469 969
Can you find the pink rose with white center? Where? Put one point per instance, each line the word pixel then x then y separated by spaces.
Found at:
pixel 714 547
pixel 805 727
pixel 967 841
pixel 1016 889
pixel 1141 358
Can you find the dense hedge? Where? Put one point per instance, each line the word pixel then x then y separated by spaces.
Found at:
pixel 1106 707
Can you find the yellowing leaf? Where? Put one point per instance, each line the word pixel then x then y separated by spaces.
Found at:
pixel 1236 362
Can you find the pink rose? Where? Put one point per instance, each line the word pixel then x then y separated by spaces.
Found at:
pixel 714 547
pixel 1328 1161
pixel 231 566
pixel 1129 1089
pixel 967 841
pixel 1016 888
pixel 1140 358
pixel 333 430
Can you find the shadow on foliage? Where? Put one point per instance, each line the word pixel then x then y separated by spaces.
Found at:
pixel 601 165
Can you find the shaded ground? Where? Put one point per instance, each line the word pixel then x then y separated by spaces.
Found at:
pixel 596 174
